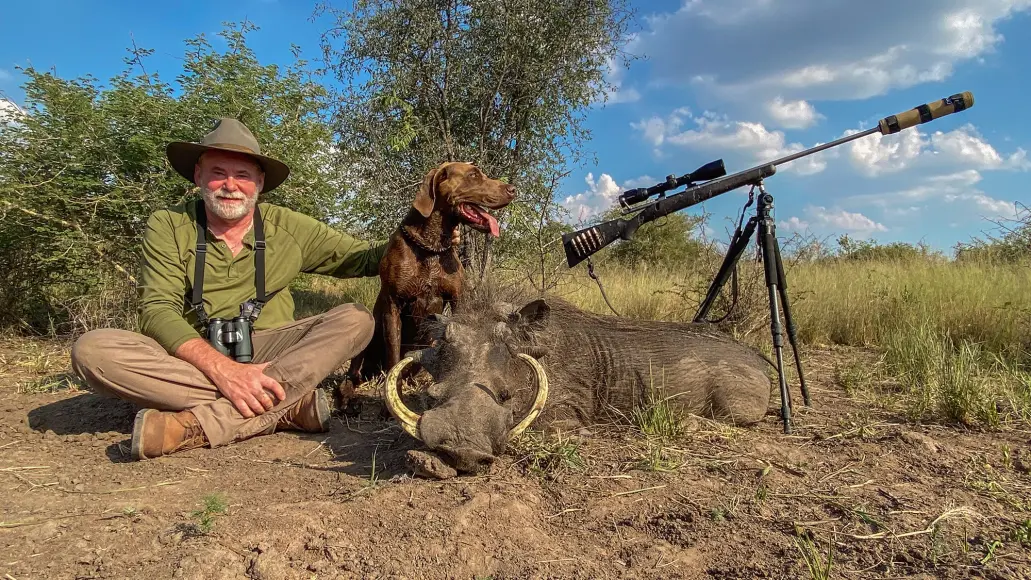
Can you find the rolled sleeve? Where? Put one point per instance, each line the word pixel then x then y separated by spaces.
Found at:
pixel 161 286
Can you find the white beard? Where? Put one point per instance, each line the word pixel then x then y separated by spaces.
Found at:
pixel 228 211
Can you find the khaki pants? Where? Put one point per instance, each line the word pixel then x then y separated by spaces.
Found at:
pixel 134 367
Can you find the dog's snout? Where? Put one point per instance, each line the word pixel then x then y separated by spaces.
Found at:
pixel 510 191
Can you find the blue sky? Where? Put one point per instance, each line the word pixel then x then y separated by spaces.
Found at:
pixel 743 80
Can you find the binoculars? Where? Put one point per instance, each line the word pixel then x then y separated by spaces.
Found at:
pixel 232 337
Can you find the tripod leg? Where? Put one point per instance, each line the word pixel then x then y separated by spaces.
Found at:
pixel 766 242
pixel 788 320
pixel 737 247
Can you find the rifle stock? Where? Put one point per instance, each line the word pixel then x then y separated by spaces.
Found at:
pixel 581 244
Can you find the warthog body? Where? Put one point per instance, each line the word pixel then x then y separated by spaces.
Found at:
pixel 599 368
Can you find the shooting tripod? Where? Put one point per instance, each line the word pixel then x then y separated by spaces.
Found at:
pixel 776 283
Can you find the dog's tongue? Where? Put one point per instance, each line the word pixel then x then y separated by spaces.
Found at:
pixel 493 223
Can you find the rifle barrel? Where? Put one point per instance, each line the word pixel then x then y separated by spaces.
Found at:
pixel 819 148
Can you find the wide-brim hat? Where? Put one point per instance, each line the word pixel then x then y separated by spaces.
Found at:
pixel 228 135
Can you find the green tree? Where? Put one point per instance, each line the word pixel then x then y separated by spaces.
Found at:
pixel 1010 243
pixel 870 250
pixel 84 165
pixel 668 242
pixel 504 84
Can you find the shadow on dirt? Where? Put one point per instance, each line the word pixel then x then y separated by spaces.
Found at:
pixel 367 443
pixel 120 451
pixel 85 413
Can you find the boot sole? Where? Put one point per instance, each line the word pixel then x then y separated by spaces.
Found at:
pixel 137 434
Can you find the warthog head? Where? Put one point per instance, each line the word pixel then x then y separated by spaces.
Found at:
pixel 487 379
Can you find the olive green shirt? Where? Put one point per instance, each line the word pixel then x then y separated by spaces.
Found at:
pixel 294 243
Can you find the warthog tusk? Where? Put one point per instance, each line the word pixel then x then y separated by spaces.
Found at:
pixel 410 419
pixel 392 397
pixel 538 403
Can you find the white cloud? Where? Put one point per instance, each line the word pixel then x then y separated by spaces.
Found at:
pixel 963 147
pixel 794 224
pixel 655 128
pixel 988 206
pixel 966 145
pixel 903 211
pixel 835 220
pixel 933 187
pixel 4 75
pixel 642 181
pixel 717 134
pixel 793 114
pixel 876 154
pixel 814 49
pixel 9 111
pixel 844 220
pixel 601 194
pixel 953 188
pixel 614 75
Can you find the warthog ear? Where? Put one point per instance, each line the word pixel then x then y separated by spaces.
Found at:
pixel 530 318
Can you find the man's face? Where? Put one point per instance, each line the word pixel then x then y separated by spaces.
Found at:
pixel 230 183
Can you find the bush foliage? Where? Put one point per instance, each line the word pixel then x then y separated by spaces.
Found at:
pixel 83 166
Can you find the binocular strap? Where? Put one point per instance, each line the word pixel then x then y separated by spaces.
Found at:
pixel 197 303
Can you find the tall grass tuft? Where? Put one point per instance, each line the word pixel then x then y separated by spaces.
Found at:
pixel 958 383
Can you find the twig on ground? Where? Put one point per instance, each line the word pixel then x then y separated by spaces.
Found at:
pixel 6 525
pixel 637 490
pixel 33 484
pixel 110 491
pixel 317 447
pixel 565 511
pixel 838 472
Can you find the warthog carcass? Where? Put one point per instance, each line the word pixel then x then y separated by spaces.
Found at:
pixel 570 368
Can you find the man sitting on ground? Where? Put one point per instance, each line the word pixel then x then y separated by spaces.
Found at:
pixel 191 393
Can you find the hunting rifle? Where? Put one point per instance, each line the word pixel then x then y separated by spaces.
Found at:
pixel 581 244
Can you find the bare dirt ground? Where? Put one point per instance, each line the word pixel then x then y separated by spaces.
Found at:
pixel 879 496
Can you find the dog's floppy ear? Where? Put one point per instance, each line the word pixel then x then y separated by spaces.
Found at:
pixel 427 195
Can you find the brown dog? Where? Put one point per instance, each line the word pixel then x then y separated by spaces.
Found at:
pixel 421 271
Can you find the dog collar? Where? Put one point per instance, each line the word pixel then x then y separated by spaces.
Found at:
pixel 440 249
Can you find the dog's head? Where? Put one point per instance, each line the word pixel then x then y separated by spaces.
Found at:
pixel 464 190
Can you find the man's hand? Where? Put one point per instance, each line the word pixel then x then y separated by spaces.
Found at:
pixel 246 385
pixel 456 236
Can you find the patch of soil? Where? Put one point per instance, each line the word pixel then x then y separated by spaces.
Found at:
pixel 887 498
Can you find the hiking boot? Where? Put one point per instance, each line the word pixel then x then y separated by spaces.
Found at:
pixel 156 433
pixel 311 414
